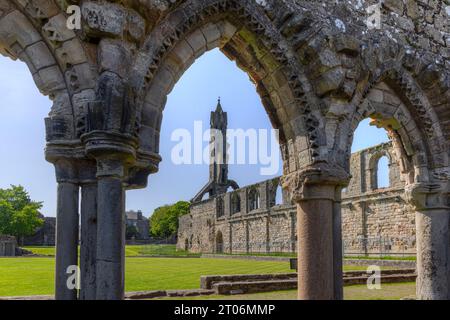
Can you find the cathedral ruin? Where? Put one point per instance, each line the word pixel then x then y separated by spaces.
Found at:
pixel 252 220
pixel 320 68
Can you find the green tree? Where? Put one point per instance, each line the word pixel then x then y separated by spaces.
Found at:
pixel 164 220
pixel 19 215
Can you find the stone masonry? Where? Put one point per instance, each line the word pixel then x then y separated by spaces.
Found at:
pixel 320 67
pixel 374 220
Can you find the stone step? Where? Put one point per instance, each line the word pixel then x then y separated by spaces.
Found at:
pixel 207 282
pixel 254 286
pixel 167 293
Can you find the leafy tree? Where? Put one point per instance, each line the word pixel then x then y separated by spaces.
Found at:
pixel 164 221
pixel 19 215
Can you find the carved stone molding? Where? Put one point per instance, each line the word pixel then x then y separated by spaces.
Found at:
pixel 428 196
pixel 319 181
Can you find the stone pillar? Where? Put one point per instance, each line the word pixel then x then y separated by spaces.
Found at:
pixel 88 247
pixel 293 217
pixel 110 231
pixel 314 191
pixel 337 247
pixel 432 231
pixel 66 238
pixel 315 243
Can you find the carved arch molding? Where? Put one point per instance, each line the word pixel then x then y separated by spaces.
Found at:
pixel 318 72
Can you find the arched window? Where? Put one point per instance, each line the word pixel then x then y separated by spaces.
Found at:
pixel 235 203
pixel 382 176
pixel 253 199
pixel 219 207
pixel 219 242
pixel 279 196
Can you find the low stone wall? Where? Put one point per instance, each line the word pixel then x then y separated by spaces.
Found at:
pixel 381 263
pixel 253 283
pixel 207 282
pixel 244 257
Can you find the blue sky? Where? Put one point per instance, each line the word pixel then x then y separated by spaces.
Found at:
pixel 22 131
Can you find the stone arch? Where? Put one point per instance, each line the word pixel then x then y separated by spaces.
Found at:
pixel 35 32
pixel 397 100
pixel 220 208
pixel 389 111
pixel 245 34
pixel 421 84
pixel 253 202
pixel 373 163
pixel 219 242
pixel 235 203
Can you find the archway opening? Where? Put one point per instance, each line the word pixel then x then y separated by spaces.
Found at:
pixel 383 173
pixel 219 242
pixel 253 199
pixel 22 130
pixel 373 211
pixel 279 196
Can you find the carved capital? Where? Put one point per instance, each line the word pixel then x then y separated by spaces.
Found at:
pixel 66 170
pixel 428 196
pixel 110 168
pixel 319 181
pixel 74 170
pixel 101 144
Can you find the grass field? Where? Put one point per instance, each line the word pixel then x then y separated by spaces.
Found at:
pixel 34 276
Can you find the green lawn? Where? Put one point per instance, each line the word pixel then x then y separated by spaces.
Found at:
pixel 34 276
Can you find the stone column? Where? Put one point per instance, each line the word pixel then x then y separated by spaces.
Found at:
pixel 314 191
pixel 66 238
pixel 337 246
pixel 430 201
pixel 315 243
pixel 88 247
pixel 110 230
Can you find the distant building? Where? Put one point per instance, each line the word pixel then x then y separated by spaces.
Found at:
pixel 8 246
pixel 136 219
pixel 44 235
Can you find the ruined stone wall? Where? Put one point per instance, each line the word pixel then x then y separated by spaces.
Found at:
pixel 374 220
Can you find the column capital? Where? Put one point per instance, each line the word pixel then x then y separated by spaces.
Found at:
pixel 318 181
pixel 66 171
pixel 110 168
pixel 425 196
pixel 77 171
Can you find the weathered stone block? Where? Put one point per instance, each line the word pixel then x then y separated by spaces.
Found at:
pixel 104 19
pixel 56 30
pixel 115 56
pixel 15 27
pixel 40 55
